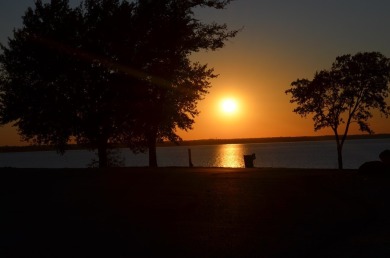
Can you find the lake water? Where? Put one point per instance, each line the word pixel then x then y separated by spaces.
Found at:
pixel 310 154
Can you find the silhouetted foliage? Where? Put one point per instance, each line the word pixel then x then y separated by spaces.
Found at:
pixel 345 94
pixel 107 40
pixel 61 75
pixel 169 34
pixel 37 74
pixel 107 71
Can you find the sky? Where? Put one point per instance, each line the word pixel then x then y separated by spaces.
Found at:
pixel 280 41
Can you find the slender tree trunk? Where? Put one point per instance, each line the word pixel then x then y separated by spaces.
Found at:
pixel 102 154
pixel 339 149
pixel 152 147
pixel 340 155
pixel 152 153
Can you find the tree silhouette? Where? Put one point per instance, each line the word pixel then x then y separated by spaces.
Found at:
pixel 61 77
pixel 106 72
pixel 36 71
pixel 108 81
pixel 169 34
pixel 345 94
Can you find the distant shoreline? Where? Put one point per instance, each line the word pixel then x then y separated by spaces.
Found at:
pixel 31 148
pixel 278 139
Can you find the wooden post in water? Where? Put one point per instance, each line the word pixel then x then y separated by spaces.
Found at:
pixel 190 159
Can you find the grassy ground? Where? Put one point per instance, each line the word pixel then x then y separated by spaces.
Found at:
pixel 197 212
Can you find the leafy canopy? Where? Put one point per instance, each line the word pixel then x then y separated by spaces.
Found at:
pixel 107 71
pixel 348 92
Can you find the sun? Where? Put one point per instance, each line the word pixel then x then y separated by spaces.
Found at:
pixel 229 106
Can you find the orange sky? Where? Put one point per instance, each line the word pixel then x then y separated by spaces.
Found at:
pixel 281 41
pixel 264 108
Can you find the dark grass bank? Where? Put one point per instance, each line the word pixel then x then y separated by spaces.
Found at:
pixel 197 212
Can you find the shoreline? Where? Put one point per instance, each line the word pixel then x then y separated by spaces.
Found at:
pixel 32 148
pixel 177 168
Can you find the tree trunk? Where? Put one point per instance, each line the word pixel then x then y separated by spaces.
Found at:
pixel 102 151
pixel 152 147
pixel 102 154
pixel 152 153
pixel 340 155
pixel 340 144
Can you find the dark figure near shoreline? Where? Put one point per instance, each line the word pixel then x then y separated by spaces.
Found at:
pixel 377 166
pixel 248 160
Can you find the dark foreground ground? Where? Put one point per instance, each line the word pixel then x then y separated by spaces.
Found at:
pixel 200 212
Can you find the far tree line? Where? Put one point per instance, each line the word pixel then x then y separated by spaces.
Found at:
pixel 107 72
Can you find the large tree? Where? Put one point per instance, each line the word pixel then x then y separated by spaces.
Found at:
pixel 37 74
pixel 347 93
pixel 61 75
pixel 107 42
pixel 169 33
pixel 107 71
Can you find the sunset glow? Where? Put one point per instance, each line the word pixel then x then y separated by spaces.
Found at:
pixel 280 41
pixel 229 106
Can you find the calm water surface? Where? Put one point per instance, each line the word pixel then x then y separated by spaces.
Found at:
pixel 311 154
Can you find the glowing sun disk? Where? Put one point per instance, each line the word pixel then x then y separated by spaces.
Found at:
pixel 229 106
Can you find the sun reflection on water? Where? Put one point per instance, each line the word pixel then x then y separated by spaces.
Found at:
pixel 230 155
